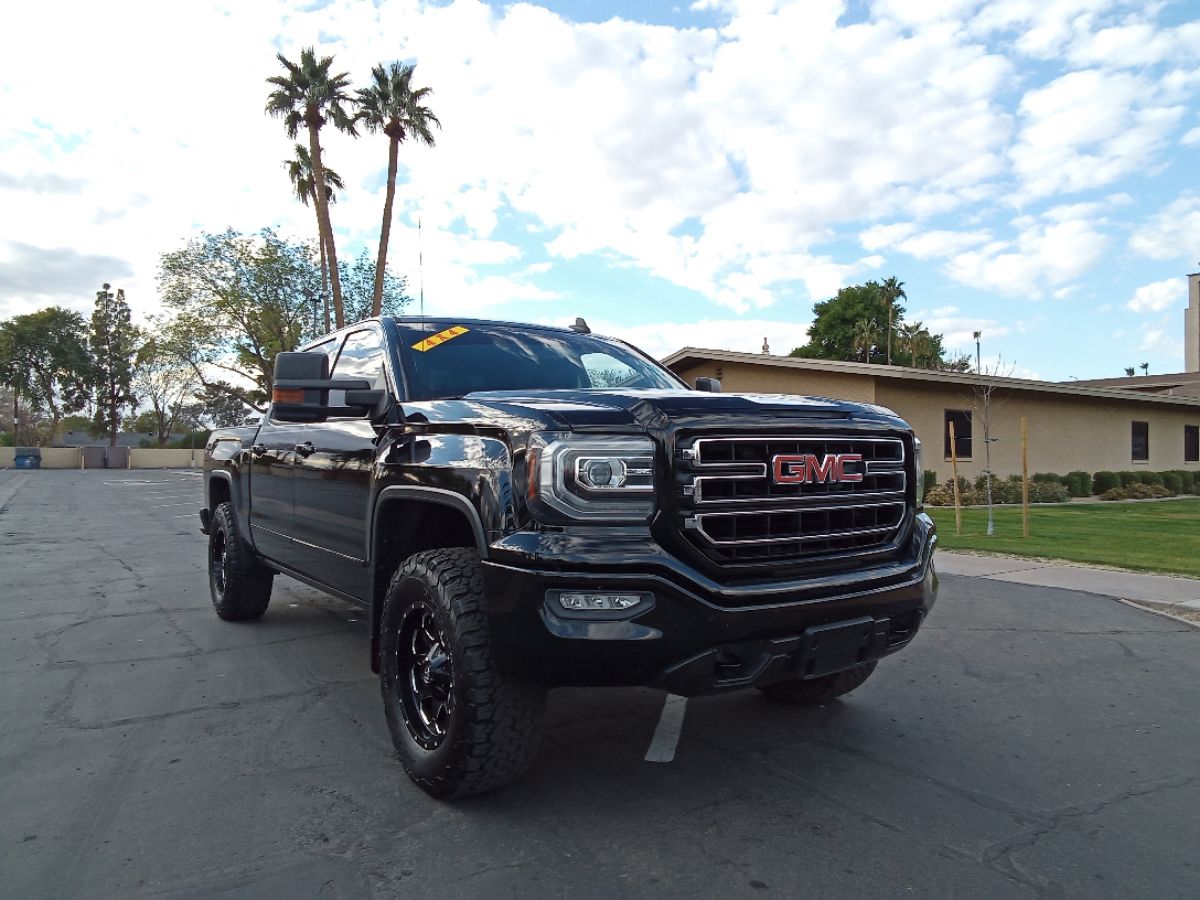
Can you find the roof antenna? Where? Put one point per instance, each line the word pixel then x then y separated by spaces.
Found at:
pixel 421 269
pixel 581 326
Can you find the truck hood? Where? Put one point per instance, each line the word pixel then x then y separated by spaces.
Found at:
pixel 649 409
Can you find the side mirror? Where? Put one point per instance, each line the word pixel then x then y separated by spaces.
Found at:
pixel 711 385
pixel 300 392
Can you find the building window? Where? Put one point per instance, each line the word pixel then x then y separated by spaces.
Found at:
pixel 1191 443
pixel 961 419
pixel 1140 446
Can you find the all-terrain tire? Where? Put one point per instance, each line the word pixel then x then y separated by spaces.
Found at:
pixel 458 725
pixel 239 582
pixel 819 690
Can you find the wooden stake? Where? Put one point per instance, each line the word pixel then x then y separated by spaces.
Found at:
pixel 1025 476
pixel 954 469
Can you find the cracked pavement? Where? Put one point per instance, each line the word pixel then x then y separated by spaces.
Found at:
pixel 1033 741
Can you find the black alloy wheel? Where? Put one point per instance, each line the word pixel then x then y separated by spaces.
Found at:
pixel 426 682
pixel 218 560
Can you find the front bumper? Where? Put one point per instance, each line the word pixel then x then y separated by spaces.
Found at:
pixel 699 636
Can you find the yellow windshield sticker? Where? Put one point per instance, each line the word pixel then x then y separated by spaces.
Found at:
pixel 440 338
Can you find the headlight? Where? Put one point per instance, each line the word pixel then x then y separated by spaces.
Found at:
pixel 919 468
pixel 594 478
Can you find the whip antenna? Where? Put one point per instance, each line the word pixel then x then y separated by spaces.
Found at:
pixel 421 265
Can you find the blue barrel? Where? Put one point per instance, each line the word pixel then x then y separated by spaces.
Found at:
pixel 27 458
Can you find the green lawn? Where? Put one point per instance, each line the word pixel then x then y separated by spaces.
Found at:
pixel 1150 536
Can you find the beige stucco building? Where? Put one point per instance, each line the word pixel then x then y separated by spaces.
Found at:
pixel 1071 425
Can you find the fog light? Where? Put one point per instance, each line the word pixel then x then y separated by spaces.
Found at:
pixel 581 602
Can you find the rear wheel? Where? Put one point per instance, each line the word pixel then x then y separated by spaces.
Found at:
pixel 819 690
pixel 239 583
pixel 458 725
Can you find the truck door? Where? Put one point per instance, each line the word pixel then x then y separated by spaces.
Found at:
pixel 272 482
pixel 333 478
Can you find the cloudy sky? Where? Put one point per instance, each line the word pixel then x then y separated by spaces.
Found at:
pixel 678 174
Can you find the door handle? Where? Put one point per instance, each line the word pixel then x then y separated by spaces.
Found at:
pixel 258 449
pixel 306 449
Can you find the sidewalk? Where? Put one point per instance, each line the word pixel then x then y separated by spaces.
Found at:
pixel 1168 589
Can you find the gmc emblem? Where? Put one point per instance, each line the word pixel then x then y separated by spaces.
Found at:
pixel 805 468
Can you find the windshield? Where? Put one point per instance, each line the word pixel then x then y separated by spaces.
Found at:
pixel 445 360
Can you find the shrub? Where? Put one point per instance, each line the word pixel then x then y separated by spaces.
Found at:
pixel 1128 478
pixel 1187 481
pixel 929 481
pixel 1136 491
pixel 1079 484
pixel 1047 477
pixel 1172 482
pixel 1103 482
pixel 1150 477
pixel 1047 492
pixel 940 495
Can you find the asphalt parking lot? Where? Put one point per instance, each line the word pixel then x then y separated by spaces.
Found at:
pixel 1032 742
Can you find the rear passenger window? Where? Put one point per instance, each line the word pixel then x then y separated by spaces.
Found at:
pixel 329 348
pixel 362 357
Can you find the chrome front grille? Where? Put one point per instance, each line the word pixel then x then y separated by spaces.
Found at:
pixel 737 506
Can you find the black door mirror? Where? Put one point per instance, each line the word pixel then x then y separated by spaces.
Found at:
pixel 300 392
pixel 711 385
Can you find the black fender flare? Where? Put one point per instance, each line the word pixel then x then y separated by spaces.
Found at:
pixel 235 497
pixel 377 579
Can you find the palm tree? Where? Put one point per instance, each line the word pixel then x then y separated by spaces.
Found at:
pixel 299 169
pixel 1129 371
pixel 864 338
pixel 891 290
pixel 309 96
pixel 1145 367
pixel 908 335
pixel 392 106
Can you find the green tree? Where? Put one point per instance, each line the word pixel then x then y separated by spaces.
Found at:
pixel 168 385
pixel 847 327
pixel 44 358
pixel 308 96
pixel 391 105
pixel 218 407
pixel 358 289
pixel 832 333
pixel 300 171
pixel 114 341
pixel 236 301
pixel 75 422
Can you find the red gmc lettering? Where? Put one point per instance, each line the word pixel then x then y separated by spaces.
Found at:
pixel 805 468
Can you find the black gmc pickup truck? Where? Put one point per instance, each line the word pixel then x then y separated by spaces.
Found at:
pixel 521 507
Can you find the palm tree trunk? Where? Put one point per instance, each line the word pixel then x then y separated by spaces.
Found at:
pixel 889 353
pixel 385 230
pixel 314 150
pixel 324 273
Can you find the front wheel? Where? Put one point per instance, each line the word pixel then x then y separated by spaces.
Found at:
pixel 458 725
pixel 239 583
pixel 819 690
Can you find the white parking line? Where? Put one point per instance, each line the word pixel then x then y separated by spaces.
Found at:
pixel 670 726
pixel 171 505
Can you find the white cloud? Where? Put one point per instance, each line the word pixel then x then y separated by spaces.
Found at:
pixel 937 244
pixel 724 160
pixel 1042 256
pixel 1159 295
pixel 661 339
pixel 1086 129
pixel 1191 139
pixel 879 237
pixel 1173 233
